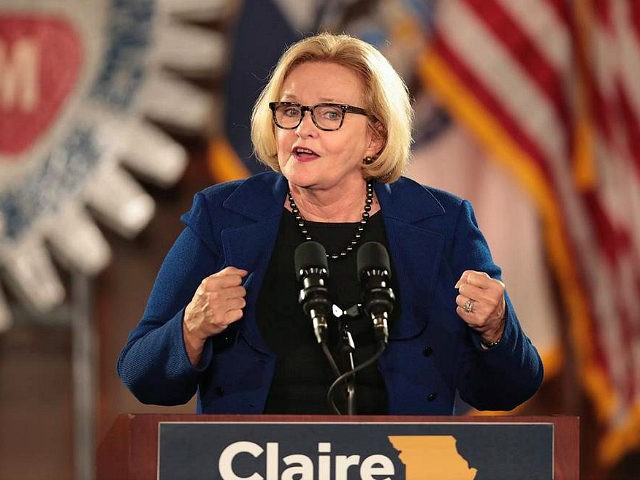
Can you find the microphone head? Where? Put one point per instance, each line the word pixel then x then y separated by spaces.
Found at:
pixel 310 254
pixel 373 255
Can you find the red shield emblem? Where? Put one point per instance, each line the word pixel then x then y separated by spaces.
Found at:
pixel 40 58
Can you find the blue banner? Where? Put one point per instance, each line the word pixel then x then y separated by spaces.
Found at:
pixel 343 451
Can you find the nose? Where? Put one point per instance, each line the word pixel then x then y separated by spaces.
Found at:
pixel 306 126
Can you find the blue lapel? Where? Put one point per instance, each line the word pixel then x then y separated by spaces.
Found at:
pixel 259 201
pixel 416 250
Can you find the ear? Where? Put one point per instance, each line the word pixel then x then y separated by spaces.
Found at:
pixel 377 140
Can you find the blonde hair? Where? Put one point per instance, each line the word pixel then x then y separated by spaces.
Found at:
pixel 385 94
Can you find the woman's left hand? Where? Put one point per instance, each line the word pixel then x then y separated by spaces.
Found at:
pixel 481 304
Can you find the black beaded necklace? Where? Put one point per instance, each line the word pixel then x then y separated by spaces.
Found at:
pixel 359 229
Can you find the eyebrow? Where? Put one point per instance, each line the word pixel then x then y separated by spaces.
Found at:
pixel 289 98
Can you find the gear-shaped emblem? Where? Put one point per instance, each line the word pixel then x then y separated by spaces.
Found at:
pixel 79 81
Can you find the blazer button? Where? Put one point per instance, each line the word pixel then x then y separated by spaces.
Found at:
pixel 427 351
pixel 432 396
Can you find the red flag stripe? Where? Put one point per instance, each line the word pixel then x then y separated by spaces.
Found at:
pixel 525 53
pixel 496 108
pixel 634 18
pixel 612 241
pixel 498 71
pixel 630 123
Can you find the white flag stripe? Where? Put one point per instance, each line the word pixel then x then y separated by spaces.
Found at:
pixel 603 47
pixel 599 279
pixel 628 58
pixel 545 22
pixel 620 197
pixel 498 70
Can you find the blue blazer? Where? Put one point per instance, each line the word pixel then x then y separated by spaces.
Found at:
pixel 433 237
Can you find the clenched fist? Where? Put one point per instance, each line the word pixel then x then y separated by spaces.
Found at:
pixel 217 302
pixel 481 304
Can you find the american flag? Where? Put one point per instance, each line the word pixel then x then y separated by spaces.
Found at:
pixel 552 89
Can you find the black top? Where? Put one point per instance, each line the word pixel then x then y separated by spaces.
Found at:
pixel 303 374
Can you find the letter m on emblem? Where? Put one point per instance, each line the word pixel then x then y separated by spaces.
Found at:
pixel 19 73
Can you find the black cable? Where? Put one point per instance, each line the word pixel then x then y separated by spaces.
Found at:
pixel 332 361
pixel 350 373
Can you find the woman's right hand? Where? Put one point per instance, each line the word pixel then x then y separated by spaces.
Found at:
pixel 218 302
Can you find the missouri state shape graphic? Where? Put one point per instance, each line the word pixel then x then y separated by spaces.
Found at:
pixel 432 457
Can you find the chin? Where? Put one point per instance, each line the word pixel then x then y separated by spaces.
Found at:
pixel 300 179
pixel 302 183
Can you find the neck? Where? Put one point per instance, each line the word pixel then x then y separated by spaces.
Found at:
pixel 330 206
pixel 357 236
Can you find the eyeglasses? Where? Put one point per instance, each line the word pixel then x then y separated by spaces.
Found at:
pixel 325 116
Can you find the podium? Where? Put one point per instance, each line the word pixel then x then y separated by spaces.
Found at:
pixel 272 447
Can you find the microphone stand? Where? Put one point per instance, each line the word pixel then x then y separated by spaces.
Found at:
pixel 347 346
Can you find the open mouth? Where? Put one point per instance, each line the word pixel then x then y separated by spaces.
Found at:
pixel 301 153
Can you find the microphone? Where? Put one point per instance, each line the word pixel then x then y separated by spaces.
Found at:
pixel 310 261
pixel 374 273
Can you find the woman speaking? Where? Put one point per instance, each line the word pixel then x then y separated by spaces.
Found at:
pixel 226 318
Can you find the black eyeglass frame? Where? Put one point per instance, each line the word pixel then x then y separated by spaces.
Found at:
pixel 309 108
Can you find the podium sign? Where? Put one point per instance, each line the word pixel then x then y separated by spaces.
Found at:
pixel 344 451
pixel 307 447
